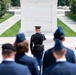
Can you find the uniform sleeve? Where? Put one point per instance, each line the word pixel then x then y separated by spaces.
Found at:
pixel 31 44
pixel 70 55
pixel 45 72
pixel 27 71
pixel 74 58
pixel 36 68
pixel 44 38
pixel 44 62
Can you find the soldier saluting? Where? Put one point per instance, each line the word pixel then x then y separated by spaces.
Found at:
pixel 36 44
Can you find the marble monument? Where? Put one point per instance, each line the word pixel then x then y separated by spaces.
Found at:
pixel 38 13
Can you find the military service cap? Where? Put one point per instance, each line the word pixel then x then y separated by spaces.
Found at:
pixel 37 27
pixel 8 46
pixel 20 37
pixel 59 33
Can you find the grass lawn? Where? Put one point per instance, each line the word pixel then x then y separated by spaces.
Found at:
pixel 71 16
pixel 13 30
pixel 67 30
pixel 8 15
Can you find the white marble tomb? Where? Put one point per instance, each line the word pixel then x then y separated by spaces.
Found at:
pixel 38 13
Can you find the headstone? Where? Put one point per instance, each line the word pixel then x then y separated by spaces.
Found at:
pixel 38 13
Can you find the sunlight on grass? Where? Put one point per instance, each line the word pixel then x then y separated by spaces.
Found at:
pixel 7 16
pixel 13 30
pixel 67 30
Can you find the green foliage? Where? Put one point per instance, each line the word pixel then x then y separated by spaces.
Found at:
pixel 15 2
pixel 71 16
pixel 72 4
pixel 63 2
pixel 13 31
pixel 67 30
pixel 7 16
pixel 3 7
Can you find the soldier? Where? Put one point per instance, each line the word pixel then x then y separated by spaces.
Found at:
pixel 36 44
pixel 49 58
pixel 22 47
pixel 8 65
pixel 62 66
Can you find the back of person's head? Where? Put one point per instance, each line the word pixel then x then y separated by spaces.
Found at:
pixel 59 34
pixel 59 48
pixel 8 49
pixel 37 29
pixel 21 43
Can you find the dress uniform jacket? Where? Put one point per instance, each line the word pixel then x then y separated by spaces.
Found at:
pixel 29 61
pixel 12 68
pixel 36 43
pixel 49 58
pixel 61 68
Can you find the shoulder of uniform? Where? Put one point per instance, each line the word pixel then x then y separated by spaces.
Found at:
pixel 31 58
pixel 50 49
pixel 33 34
pixel 20 65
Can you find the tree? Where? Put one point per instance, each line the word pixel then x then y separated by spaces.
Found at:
pixel 15 2
pixel 63 2
pixel 67 2
pixel 72 4
pixel 3 7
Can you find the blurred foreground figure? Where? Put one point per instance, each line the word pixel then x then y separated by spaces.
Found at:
pixel 22 47
pixel 62 66
pixel 8 66
pixel 49 58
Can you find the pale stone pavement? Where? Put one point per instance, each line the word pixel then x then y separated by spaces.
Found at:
pixel 8 23
pixel 70 23
pixel 69 42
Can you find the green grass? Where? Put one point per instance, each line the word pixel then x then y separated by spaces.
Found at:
pixel 7 16
pixel 67 30
pixel 13 30
pixel 71 16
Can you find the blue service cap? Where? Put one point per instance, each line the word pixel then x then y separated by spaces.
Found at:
pixel 20 37
pixel 8 46
pixel 58 45
pixel 59 33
